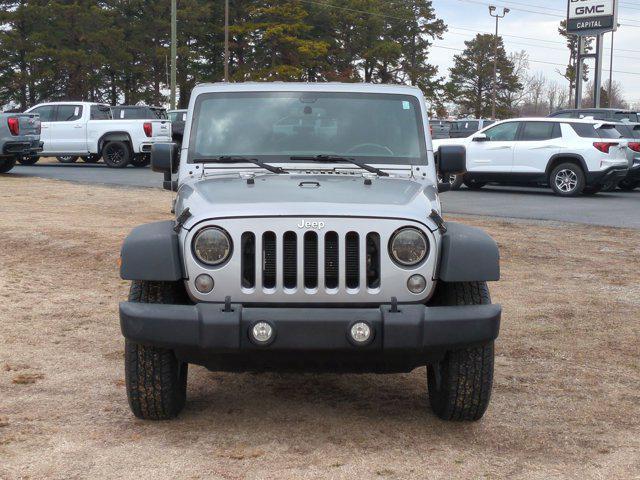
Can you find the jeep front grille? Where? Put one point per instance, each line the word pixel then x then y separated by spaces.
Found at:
pixel 296 255
pixel 276 261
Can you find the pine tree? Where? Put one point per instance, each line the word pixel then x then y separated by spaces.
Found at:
pixel 471 78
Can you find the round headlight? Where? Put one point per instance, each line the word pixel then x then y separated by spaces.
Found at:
pixel 408 246
pixel 212 246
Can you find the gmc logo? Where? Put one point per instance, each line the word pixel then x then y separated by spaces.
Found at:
pixel 590 10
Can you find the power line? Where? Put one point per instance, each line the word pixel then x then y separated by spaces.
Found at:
pixel 405 19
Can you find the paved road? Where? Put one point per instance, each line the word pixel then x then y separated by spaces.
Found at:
pixel 619 209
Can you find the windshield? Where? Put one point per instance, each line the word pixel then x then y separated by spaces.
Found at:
pixel 274 126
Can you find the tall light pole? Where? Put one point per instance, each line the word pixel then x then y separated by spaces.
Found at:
pixel 611 72
pixel 174 54
pixel 493 11
pixel 226 40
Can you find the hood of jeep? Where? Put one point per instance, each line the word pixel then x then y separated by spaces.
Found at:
pixel 306 196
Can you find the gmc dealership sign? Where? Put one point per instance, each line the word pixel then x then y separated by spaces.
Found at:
pixel 591 17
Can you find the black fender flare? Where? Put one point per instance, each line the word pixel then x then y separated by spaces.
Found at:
pixel 468 254
pixel 568 156
pixel 114 137
pixel 152 252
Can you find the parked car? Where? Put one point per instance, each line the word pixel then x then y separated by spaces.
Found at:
pixel 19 137
pixel 571 156
pixel 609 114
pixel 467 126
pixel 631 133
pixel 439 128
pixel 72 130
pixel 178 119
pixel 138 112
pixel 313 248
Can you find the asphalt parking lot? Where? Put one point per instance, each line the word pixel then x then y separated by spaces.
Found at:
pixel 616 209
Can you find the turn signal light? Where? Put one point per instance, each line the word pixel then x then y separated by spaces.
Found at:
pixel 635 146
pixel 604 146
pixel 147 128
pixel 14 125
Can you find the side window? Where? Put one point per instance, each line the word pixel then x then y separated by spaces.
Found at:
pixel 46 112
pixel 505 132
pixel 68 113
pixel 99 113
pixel 539 131
pixel 585 130
pixel 609 131
pixel 475 126
pixel 564 115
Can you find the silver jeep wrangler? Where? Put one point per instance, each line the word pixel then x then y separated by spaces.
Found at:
pixel 308 237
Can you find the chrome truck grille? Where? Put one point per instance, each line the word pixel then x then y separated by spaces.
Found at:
pixel 275 260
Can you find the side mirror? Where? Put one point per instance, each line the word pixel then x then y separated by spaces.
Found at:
pixel 164 157
pixel 480 137
pixel 452 160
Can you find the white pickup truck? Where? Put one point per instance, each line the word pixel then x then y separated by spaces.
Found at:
pixel 72 130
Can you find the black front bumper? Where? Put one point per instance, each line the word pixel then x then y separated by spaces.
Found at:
pixel 611 174
pixel 28 147
pixel 211 335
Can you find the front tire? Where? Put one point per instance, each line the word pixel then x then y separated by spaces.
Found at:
pixel 116 154
pixel 7 164
pixel 567 180
pixel 156 380
pixel 460 385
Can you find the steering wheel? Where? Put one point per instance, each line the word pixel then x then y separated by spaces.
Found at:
pixel 374 145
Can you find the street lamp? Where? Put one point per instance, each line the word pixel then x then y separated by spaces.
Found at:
pixel 493 11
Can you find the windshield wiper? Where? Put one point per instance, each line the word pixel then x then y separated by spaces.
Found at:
pixel 238 159
pixel 338 159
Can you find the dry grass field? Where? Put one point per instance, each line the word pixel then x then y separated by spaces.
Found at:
pixel 566 401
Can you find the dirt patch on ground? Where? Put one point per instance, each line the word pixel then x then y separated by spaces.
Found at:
pixel 565 402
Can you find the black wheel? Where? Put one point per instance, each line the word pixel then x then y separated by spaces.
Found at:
pixel 472 184
pixel 460 385
pixel 116 154
pixel 7 164
pixel 28 160
pixel 67 158
pixel 567 180
pixel 141 159
pixel 454 180
pixel 90 159
pixel 156 380
pixel 628 185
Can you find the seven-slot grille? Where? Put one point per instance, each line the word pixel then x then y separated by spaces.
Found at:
pixel 310 261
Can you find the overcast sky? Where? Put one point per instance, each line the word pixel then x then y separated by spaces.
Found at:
pixel 465 18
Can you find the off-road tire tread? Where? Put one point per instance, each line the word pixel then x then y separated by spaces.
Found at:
pixel 155 379
pixel 466 374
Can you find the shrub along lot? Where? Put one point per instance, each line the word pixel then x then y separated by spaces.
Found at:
pixel 565 402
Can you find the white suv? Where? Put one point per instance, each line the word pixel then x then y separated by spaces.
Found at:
pixel 571 156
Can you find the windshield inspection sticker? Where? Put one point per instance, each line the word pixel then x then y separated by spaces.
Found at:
pixel 406 105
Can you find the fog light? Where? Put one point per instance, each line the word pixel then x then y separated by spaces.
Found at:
pixel 416 284
pixel 360 332
pixel 262 332
pixel 204 283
